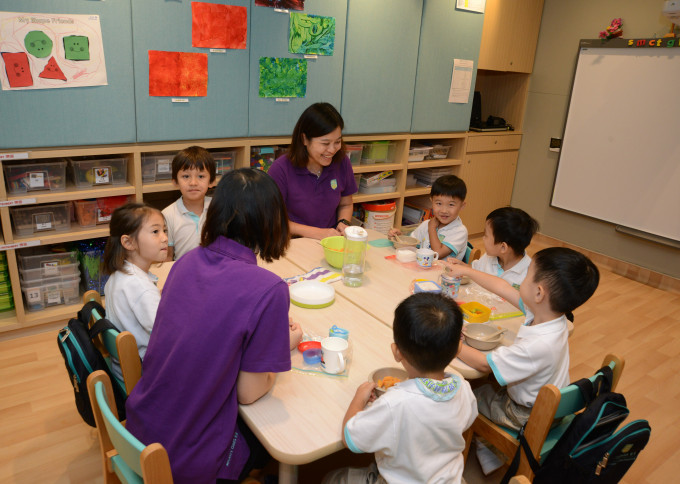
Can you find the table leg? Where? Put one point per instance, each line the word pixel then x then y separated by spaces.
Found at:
pixel 288 473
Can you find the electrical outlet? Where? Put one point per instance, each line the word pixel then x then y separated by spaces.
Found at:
pixel 555 144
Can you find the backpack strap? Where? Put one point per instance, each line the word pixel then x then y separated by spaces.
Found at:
pixel 86 311
pixel 602 384
pixel 101 326
pixel 514 465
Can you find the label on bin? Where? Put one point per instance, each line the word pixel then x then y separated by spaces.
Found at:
pixel 42 221
pixel 101 218
pixel 36 179
pixel 33 296
pixel 50 269
pixel 102 174
pixel 163 166
pixel 53 296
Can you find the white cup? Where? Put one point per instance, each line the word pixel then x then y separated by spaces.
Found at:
pixel 333 354
pixel 426 257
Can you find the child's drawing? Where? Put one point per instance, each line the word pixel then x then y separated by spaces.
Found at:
pixel 45 51
pixel 283 77
pixel 311 34
pixel 218 26
pixel 178 73
pixel 286 4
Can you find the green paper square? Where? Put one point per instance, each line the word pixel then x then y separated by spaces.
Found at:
pixel 77 47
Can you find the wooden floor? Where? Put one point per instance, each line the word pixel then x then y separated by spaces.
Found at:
pixel 43 439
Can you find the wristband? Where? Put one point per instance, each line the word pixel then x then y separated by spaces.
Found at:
pixel 343 221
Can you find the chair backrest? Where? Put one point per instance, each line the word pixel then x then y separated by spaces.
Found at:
pixel 127 457
pixel 471 254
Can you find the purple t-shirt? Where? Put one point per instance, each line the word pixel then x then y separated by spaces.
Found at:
pixel 310 200
pixel 219 314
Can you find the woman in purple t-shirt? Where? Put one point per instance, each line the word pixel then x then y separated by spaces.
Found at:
pixel 315 176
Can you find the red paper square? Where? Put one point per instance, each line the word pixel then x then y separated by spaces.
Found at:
pixel 218 26
pixel 178 73
pixel 17 68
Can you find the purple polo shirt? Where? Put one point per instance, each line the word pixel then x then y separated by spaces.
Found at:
pixel 310 200
pixel 219 314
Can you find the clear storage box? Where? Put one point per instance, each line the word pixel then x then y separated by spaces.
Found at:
pixel 51 292
pixel 354 153
pixel 32 219
pixel 6 302
pixel 92 212
pixel 377 152
pixel 48 271
pixel 224 161
pixel 156 167
pixel 28 177
pixel 439 152
pixel 95 173
pixel 418 153
pixel 37 258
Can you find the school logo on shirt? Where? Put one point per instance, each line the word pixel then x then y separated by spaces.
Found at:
pixel 334 183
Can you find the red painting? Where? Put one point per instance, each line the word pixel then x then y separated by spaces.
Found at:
pixel 52 71
pixel 18 69
pixel 285 4
pixel 218 26
pixel 178 73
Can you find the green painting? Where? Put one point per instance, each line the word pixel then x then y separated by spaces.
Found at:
pixel 311 34
pixel 283 77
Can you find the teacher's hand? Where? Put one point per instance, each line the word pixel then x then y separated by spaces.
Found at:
pixel 323 233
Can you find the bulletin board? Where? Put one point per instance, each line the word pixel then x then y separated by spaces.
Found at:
pixel 620 150
pixel 80 115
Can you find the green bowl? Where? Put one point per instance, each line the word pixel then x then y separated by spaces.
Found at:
pixel 333 248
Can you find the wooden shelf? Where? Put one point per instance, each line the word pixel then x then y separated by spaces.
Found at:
pixel 73 193
pixel 377 167
pixel 371 197
pixel 414 165
pixel 54 313
pixel 75 233
pixel 159 186
pixel 415 191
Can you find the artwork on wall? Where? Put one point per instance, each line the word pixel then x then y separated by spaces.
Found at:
pixel 286 4
pixel 46 51
pixel 218 26
pixel 311 34
pixel 178 73
pixel 283 77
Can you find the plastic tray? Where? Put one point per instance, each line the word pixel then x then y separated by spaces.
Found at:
pixel 354 153
pixel 439 152
pixel 28 177
pixel 6 302
pixel 377 152
pixel 156 167
pixel 62 291
pixel 224 161
pixel 48 271
pixel 37 259
pixel 33 219
pixel 92 212
pixel 96 173
pixel 418 153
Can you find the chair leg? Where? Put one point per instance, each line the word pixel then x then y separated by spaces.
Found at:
pixel 467 435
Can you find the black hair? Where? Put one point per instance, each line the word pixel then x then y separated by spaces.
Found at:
pixel 317 120
pixel 125 220
pixel 449 186
pixel 427 330
pixel 194 157
pixel 569 276
pixel 247 207
pixel 513 226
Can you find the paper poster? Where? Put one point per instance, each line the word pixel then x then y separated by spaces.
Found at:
pixel 461 81
pixel 178 73
pixel 471 5
pixel 285 4
pixel 218 26
pixel 283 77
pixel 46 51
pixel 311 34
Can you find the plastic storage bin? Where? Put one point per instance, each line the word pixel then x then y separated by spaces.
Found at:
pixel 354 153
pixel 64 270
pixel 32 219
pixel 95 173
pixel 384 185
pixel 224 161
pixel 37 258
pixel 156 167
pixel 51 292
pixel 418 153
pixel 92 212
pixel 377 152
pixel 30 177
pixel 439 152
pixel 6 301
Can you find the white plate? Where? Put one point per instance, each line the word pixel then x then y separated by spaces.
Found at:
pixel 312 294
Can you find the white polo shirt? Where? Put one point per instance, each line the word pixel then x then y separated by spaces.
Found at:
pixel 416 430
pixel 184 227
pixel 515 275
pixel 453 235
pixel 539 355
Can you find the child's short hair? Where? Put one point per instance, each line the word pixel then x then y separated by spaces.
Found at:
pixel 247 207
pixel 427 330
pixel 125 220
pixel 194 157
pixel 569 276
pixel 513 226
pixel 449 186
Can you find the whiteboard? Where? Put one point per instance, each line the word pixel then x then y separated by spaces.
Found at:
pixel 620 157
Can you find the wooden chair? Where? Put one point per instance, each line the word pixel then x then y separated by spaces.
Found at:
pixel 121 346
pixel 551 403
pixel 124 458
pixel 471 254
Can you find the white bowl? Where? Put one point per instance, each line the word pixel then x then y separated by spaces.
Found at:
pixel 472 332
pixel 312 294
pixel 406 241
pixel 407 254
pixel 381 373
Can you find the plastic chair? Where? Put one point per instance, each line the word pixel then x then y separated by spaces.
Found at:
pixel 124 458
pixel 121 346
pixel 552 403
pixel 471 254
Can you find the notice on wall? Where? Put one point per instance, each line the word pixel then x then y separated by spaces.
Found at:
pixel 461 81
pixel 471 5
pixel 47 51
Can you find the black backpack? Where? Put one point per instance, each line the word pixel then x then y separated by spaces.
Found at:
pixel 591 450
pixel 75 341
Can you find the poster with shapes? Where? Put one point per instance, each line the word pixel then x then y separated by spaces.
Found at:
pixel 218 26
pixel 283 77
pixel 284 4
pixel 47 51
pixel 311 34
pixel 178 74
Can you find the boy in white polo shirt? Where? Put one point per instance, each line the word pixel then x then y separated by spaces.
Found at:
pixel 444 232
pixel 416 428
pixel 558 281
pixel 193 172
pixel 507 234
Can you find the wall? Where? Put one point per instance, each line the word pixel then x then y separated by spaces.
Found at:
pixel 562 26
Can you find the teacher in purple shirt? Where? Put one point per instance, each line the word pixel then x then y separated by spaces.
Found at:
pixel 315 176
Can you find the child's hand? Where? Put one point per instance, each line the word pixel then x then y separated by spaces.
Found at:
pixel 364 394
pixel 434 223
pixel 295 333
pixel 454 267
pixel 392 232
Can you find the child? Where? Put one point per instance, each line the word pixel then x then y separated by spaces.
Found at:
pixel 193 172
pixel 444 232
pixel 558 281
pixel 507 234
pixel 416 428
pixel 137 239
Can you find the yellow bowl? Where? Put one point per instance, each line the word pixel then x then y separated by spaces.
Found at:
pixel 473 312
pixel 333 248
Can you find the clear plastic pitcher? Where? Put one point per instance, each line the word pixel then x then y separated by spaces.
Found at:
pixel 354 256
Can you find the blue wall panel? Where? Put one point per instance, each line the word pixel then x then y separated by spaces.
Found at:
pixel 324 74
pixel 223 113
pixel 446 34
pixel 76 116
